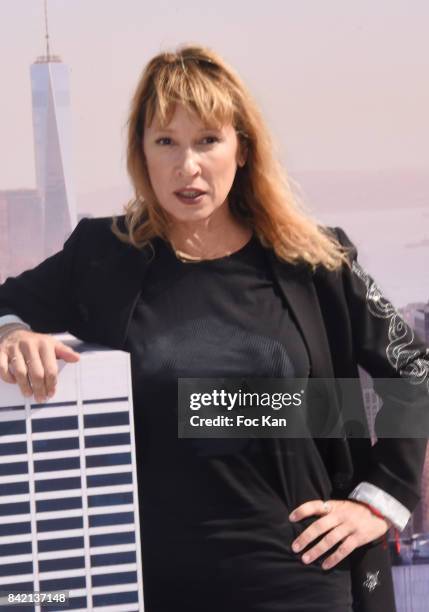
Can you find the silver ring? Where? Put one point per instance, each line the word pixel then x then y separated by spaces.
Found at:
pixel 326 507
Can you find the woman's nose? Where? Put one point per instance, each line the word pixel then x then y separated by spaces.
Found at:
pixel 188 164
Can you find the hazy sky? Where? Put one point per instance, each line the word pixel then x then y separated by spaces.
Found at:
pixel 343 85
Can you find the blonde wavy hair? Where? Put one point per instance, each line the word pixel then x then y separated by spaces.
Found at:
pixel 261 195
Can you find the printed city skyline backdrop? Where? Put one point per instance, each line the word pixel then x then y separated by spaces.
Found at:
pixel 343 89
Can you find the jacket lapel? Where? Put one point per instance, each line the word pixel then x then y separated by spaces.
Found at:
pixel 296 285
pixel 297 288
pixel 119 279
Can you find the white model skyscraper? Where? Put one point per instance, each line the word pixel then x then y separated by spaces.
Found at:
pixel 69 506
pixel 52 126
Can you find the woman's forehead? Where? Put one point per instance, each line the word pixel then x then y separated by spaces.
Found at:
pixel 178 115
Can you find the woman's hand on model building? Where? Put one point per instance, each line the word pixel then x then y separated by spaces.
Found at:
pixel 345 525
pixel 29 359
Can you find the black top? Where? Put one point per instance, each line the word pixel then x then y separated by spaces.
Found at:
pixel 214 513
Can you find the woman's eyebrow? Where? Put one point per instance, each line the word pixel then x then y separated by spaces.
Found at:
pixel 172 131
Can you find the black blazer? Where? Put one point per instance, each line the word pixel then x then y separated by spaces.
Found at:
pixel 91 287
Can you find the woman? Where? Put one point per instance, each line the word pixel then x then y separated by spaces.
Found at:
pixel 214 271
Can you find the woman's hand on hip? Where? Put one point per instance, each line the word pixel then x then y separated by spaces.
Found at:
pixel 344 525
pixel 29 359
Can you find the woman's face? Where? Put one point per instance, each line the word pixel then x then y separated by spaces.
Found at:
pixel 187 156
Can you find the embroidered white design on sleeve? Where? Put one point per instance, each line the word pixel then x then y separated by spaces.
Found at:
pixel 404 360
pixel 371 581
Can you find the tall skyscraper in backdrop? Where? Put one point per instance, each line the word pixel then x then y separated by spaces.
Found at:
pixel 52 127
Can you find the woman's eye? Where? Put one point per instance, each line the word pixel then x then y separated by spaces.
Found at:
pixel 212 138
pixel 207 140
pixel 161 140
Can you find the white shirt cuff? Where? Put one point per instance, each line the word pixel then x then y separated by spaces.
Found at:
pixel 388 505
pixel 6 319
pixel 11 322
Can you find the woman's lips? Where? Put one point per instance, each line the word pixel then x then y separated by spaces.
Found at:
pixel 190 200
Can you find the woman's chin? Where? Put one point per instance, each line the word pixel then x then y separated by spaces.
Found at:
pixel 188 213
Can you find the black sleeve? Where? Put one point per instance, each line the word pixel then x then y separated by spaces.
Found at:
pixel 387 347
pixel 44 296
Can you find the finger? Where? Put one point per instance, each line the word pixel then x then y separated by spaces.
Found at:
pixel 36 373
pixel 310 508
pixel 332 538
pixel 50 367
pixel 18 369
pixel 6 373
pixel 314 531
pixel 341 552
pixel 62 351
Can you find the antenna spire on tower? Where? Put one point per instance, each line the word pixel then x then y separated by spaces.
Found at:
pixel 48 58
pixel 47 31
